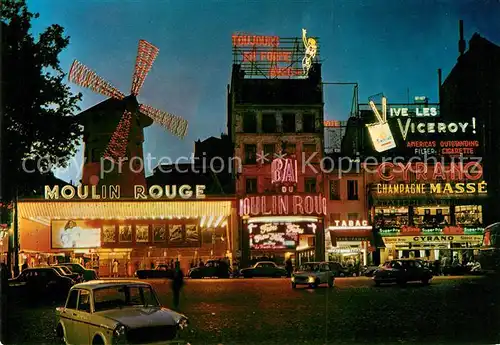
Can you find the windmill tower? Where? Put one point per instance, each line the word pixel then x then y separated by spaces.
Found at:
pixel 114 129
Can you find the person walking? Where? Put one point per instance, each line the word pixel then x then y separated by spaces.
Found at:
pixel 115 268
pixel 289 267
pixel 177 283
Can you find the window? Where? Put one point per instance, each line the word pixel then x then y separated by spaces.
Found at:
pixel 310 185
pixel 288 122
pixel 308 125
pixel 125 295
pixel 335 190
pixel 269 150
pixel 84 301
pixel 250 153
pixel 249 122
pixel 71 303
pixel 334 217
pixel 251 185
pixel 353 216
pixel 352 189
pixel 469 215
pixel 268 123
pixel 309 149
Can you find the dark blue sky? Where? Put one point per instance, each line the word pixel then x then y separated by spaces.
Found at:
pixel 386 46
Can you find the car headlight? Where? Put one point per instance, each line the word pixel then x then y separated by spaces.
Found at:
pixel 311 279
pixel 120 331
pixel 293 278
pixel 183 323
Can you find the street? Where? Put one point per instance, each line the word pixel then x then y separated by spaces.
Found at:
pixel 267 311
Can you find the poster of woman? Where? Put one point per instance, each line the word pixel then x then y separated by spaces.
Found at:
pixel 75 234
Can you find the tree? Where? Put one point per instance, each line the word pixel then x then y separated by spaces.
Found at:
pixel 37 106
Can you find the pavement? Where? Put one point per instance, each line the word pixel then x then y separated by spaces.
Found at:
pixel 454 310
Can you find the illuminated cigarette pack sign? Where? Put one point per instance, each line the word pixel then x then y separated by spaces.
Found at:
pixel 274 56
pixel 454 179
pixel 418 130
pixel 70 234
pixel 278 235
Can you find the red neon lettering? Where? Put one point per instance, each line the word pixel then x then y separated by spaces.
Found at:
pixel 439 171
pixel 405 169
pixel 381 170
pixel 420 171
pixel 477 168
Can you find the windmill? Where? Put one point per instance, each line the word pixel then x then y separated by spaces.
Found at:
pixel 117 147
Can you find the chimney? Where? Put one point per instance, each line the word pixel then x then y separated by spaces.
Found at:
pixel 440 82
pixel 461 42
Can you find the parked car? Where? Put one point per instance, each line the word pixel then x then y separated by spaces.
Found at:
pixel 41 281
pixel 161 271
pixel 85 273
pixel 402 271
pixel 313 274
pixel 368 271
pixel 212 268
pixel 65 271
pixel 264 269
pixel 117 312
pixel 337 269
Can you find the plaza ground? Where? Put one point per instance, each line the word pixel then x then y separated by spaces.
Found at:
pixel 455 310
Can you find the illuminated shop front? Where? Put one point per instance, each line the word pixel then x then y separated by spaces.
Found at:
pixel 137 233
pixel 349 242
pixel 434 213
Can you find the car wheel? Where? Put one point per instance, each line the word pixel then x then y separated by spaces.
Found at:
pixel 377 283
pixel 294 285
pixel 402 282
pixel 97 340
pixel 425 281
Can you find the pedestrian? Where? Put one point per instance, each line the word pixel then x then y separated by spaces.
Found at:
pixel 25 265
pixel 115 268
pixel 177 284
pixel 289 267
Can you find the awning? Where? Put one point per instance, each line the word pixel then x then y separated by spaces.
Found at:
pixel 48 210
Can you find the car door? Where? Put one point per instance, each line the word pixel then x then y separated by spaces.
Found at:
pixel 68 314
pixel 82 318
pixel 324 272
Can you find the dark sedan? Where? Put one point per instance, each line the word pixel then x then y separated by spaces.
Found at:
pixel 160 272
pixel 213 268
pixel 65 271
pixel 41 281
pixel 402 271
pixel 264 269
pixel 77 268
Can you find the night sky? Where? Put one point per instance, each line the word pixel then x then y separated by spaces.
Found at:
pixel 386 46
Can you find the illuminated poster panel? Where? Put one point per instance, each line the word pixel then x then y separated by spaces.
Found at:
pixel 73 234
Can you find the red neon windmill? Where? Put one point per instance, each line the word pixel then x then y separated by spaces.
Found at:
pixel 117 146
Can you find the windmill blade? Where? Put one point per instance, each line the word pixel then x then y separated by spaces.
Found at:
pixel 117 146
pixel 146 55
pixel 175 124
pixel 85 77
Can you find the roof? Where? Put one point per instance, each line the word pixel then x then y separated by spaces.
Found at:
pixel 104 283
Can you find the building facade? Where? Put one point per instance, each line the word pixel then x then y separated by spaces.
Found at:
pixel 277 131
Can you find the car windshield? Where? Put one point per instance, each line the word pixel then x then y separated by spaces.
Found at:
pixel 309 267
pixel 124 296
